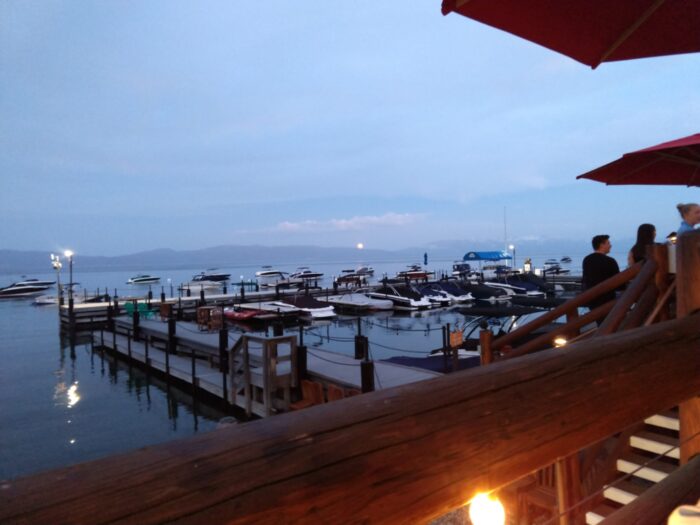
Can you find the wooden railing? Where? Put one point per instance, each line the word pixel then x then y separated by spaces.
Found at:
pixel 399 455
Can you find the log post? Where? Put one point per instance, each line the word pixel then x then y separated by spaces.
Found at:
pixel 485 338
pixel 687 302
pixel 659 252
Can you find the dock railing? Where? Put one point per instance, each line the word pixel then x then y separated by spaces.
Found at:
pixel 399 455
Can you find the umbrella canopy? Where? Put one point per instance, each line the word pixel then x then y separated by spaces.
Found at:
pixel 486 256
pixel 593 31
pixel 676 162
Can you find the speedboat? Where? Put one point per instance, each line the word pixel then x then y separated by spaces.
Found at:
pixel 415 273
pixel 211 275
pixel 359 299
pixel 310 306
pixel 566 259
pixel 305 274
pixel 451 291
pixel 483 292
pixel 364 270
pixel 268 277
pixel 143 279
pixel 404 297
pixel 461 269
pixel 27 288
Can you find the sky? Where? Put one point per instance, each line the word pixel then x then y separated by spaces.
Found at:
pixel 127 126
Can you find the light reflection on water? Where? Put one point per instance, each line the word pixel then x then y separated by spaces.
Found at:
pixel 62 403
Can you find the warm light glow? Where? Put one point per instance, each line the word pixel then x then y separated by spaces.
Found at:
pixel 485 510
pixel 360 245
pixel 68 253
pixel 73 395
pixel 560 341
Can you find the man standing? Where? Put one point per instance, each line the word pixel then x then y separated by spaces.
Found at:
pixel 597 267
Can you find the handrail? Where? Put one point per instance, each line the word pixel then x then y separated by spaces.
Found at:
pixel 628 298
pixel 405 454
pixel 580 300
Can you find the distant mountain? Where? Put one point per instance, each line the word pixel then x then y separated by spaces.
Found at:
pixel 26 262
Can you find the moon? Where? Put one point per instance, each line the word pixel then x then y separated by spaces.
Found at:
pixel 360 245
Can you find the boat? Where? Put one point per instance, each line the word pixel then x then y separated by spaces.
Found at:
pixel 240 314
pixel 26 288
pixel 566 259
pixel 435 295
pixel 415 272
pixel 404 297
pixel 350 277
pixel 211 275
pixel 269 277
pixel 359 299
pixel 310 306
pixel 483 292
pixel 364 270
pixel 452 291
pixel 461 269
pixel 305 274
pixel 143 279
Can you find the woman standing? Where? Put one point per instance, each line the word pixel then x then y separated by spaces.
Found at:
pixel 690 213
pixel 646 234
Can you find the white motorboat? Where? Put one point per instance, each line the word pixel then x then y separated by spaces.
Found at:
pixel 309 306
pixel 26 288
pixel 364 270
pixel 403 297
pixel 359 300
pixel 143 279
pixel 305 274
pixel 268 277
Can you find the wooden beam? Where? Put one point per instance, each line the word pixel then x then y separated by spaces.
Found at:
pixel 580 300
pixel 400 455
pixel 687 302
pixel 654 505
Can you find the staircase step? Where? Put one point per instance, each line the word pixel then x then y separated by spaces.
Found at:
pixel 624 491
pixel 656 443
pixel 667 420
pixel 599 513
pixel 655 470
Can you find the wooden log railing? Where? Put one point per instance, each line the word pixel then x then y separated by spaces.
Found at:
pixel 400 455
pixel 582 299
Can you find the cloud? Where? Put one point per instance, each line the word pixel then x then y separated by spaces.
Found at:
pixel 357 223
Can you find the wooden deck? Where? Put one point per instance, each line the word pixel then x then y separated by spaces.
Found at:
pixel 195 359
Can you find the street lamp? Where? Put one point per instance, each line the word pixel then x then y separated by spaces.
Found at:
pixel 57 265
pixel 512 249
pixel 69 254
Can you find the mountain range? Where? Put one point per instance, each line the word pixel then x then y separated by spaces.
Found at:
pixel 16 261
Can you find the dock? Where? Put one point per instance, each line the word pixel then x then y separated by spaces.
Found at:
pixel 258 375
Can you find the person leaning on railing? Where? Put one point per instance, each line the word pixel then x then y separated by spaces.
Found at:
pixel 598 267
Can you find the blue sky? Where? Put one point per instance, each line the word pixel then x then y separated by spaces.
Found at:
pixel 128 125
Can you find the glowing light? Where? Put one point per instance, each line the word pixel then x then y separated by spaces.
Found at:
pixel 73 395
pixel 68 253
pixel 485 510
pixel 360 245
pixel 560 341
pixel 72 441
pixel 511 247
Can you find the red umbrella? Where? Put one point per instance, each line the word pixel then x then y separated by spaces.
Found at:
pixel 593 31
pixel 676 162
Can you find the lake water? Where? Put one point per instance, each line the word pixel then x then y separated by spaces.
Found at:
pixel 62 403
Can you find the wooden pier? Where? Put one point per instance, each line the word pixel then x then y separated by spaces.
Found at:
pixel 257 374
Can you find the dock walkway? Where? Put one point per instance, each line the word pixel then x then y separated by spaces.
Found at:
pixel 256 373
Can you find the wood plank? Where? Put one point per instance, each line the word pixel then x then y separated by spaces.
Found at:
pixel 401 455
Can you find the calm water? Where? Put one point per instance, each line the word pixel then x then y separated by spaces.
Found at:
pixel 63 404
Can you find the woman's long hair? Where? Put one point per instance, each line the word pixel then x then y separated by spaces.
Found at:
pixel 646 233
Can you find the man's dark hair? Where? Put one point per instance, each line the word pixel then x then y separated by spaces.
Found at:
pixel 598 240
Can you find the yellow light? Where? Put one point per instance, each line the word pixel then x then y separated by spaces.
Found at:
pixel 68 253
pixel 485 510
pixel 360 245
pixel 73 395
pixel 560 341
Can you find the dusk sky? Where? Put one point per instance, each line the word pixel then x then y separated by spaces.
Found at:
pixel 130 125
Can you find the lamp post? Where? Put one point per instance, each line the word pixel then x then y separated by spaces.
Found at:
pixel 512 249
pixel 69 254
pixel 57 265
